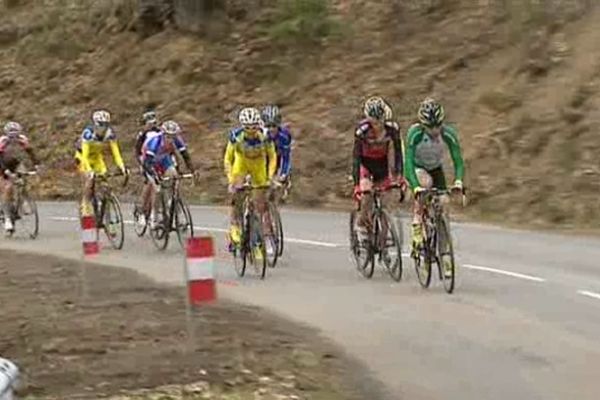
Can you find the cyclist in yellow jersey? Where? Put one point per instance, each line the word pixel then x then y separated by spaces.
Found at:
pixel 89 154
pixel 248 152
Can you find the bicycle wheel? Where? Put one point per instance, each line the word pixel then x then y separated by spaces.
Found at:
pixel 28 216
pixel 183 222
pixel 361 250
pixel 445 256
pixel 277 217
pixel 392 247
pixel 138 226
pixel 112 221
pixel 422 260
pixel 272 240
pixel 160 231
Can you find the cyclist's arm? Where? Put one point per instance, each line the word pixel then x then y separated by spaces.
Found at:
pixel 272 157
pixel 228 159
pixel 413 136
pixel 356 160
pixel 85 156
pixel 185 154
pixel 139 143
pixel 116 153
pixel 450 136
pixel 398 152
pixel 286 155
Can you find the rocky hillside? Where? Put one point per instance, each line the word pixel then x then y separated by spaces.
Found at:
pixel 520 79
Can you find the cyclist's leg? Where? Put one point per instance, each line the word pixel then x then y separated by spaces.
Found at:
pixel 236 196
pixel 7 197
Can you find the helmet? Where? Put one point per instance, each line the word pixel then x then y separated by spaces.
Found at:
pixel 376 108
pixel 431 113
pixel 12 128
pixel 249 116
pixel 271 115
pixel 171 128
pixel 101 118
pixel 149 117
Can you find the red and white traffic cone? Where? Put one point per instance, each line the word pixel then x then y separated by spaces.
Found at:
pixel 89 236
pixel 200 270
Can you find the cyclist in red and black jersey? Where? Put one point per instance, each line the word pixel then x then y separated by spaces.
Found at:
pixel 377 154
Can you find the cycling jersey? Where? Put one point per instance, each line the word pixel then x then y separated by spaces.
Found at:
pixel 11 151
pixel 427 152
pixel 141 139
pixel 158 151
pixel 90 147
pixel 371 150
pixel 283 147
pixel 248 156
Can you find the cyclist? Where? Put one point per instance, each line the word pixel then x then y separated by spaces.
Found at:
pixel 150 124
pixel 158 152
pixel 426 141
pixel 12 145
pixel 280 135
pixel 377 156
pixel 89 147
pixel 247 152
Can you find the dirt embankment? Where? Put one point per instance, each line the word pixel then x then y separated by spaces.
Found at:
pixel 127 338
pixel 520 79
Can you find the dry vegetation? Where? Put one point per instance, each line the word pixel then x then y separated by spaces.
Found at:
pixel 519 78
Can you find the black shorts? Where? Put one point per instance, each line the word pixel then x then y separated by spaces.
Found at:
pixel 10 164
pixel 438 177
pixel 377 168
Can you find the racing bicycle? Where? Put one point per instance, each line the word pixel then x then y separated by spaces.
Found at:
pixel 172 213
pixel 252 248
pixel 437 240
pixel 383 242
pixel 24 208
pixel 107 208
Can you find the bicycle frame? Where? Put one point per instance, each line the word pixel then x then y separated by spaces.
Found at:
pixel 172 184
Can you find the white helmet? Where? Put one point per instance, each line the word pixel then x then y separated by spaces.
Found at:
pixel 12 128
pixel 249 116
pixel 101 117
pixel 171 128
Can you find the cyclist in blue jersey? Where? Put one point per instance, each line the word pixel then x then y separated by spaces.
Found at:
pixel 157 157
pixel 281 137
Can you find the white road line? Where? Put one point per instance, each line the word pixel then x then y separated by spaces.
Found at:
pixel 589 294
pixel 504 272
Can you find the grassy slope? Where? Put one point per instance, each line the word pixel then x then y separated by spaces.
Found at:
pixel 518 80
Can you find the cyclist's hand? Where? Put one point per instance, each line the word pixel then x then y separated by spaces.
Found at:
pixel 418 191
pixel 457 187
pixel 356 194
pixel 9 174
pixel 196 174
pixel 36 168
pixel 402 183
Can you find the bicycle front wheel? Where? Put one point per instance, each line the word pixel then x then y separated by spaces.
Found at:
pixel 160 231
pixel 183 222
pixel 445 256
pixel 257 248
pixel 28 216
pixel 140 226
pixel 422 260
pixel 390 245
pixel 361 249
pixel 112 221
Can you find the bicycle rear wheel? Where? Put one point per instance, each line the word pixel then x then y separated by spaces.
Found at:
pixel 445 256
pixel 112 221
pixel 277 227
pixel 273 239
pixel 28 216
pixel 183 222
pixel 392 247
pixel 422 261
pixel 361 250
pixel 160 231
pixel 242 253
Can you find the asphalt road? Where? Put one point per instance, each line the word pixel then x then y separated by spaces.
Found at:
pixel 524 322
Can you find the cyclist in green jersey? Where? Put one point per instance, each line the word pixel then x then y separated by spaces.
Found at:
pixel 426 142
